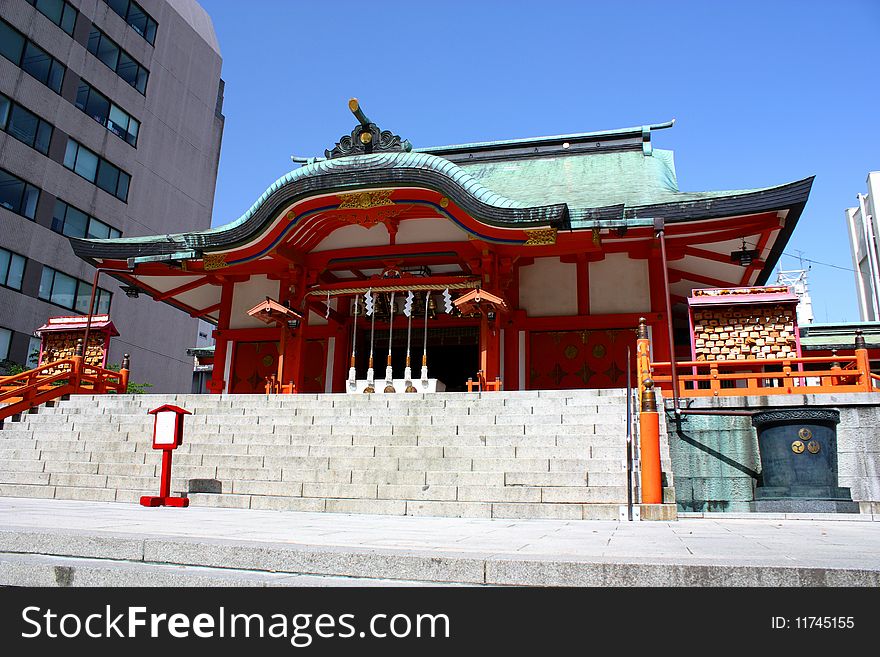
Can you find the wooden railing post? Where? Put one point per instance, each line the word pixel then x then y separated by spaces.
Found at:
pixel 787 381
pixel 714 383
pixel 124 373
pixel 863 363
pixel 643 354
pixel 77 369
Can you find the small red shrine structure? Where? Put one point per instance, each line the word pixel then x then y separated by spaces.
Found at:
pixel 59 337
pixel 560 232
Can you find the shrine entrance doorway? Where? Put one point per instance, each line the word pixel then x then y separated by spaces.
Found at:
pixel 252 362
pixel 453 354
pixel 580 359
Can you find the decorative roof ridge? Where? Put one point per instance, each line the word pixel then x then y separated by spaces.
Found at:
pixel 528 141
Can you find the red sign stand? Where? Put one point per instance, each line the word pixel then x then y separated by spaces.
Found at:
pixel 167 436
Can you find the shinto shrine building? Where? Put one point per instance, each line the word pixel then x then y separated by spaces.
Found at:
pixel 549 245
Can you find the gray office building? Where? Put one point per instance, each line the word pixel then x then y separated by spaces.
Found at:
pixel 110 125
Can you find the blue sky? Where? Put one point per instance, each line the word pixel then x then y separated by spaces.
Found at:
pixel 763 92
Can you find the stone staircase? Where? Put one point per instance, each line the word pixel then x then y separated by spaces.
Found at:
pixel 536 454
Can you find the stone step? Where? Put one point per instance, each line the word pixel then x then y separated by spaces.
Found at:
pixel 539 454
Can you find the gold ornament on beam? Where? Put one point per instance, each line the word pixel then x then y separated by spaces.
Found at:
pixel 212 261
pixel 541 237
pixel 365 200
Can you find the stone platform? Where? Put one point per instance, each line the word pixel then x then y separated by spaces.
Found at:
pixel 68 543
pixel 537 454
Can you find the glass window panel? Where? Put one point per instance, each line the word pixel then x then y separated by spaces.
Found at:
pixel 127 68
pixel 56 77
pixel 119 118
pixel 58 213
pixel 83 296
pixel 68 19
pixel 36 62
pixel 11 191
pixel 150 32
pixel 16 272
pixel 44 136
pixel 141 84
pixel 98 107
pixel 134 127
pixel 108 177
pixel 33 358
pixel 63 290
pixel 119 6
pixel 94 41
pixel 82 95
pixel 114 233
pixel 86 164
pixel 5 339
pixel 11 43
pixel 108 52
pixel 52 9
pixel 5 257
pixel 70 154
pixel 137 19
pixel 122 190
pixel 31 196
pixel 5 104
pixel 103 305
pixel 46 283
pixel 23 125
pixel 76 223
pixel 98 230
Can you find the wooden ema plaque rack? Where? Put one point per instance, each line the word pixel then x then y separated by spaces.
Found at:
pixel 744 323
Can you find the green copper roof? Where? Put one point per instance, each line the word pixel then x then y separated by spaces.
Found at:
pixel 583 181
pixel 605 179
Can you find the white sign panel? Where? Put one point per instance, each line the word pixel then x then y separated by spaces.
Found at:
pixel 165 422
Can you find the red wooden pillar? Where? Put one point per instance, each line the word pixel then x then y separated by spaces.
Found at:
pixel 490 351
pixel 217 384
pixel 293 368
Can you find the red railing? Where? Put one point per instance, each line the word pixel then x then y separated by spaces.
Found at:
pixel 69 376
pixel 736 378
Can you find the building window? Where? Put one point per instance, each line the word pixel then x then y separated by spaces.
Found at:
pixel 133 14
pixel 110 115
pixel 24 125
pixel 5 340
pixel 72 293
pixel 33 357
pixel 73 222
pixel 32 59
pixel 97 170
pixel 59 12
pixel 106 49
pixel 17 195
pixel 11 269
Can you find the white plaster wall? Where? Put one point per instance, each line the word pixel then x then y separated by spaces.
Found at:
pixel 619 285
pixel 349 237
pixel 247 295
pixel 548 288
pixel 418 231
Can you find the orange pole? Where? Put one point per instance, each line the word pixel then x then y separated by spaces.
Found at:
pixel 863 362
pixel 649 439
pixel 643 354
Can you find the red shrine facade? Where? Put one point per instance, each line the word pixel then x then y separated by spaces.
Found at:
pixel 558 236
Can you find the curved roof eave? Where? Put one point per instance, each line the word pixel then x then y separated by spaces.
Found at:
pixel 334 176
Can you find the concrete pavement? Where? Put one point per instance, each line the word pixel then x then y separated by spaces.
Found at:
pixel 55 542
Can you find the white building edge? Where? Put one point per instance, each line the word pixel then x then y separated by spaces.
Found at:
pixel 862 223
